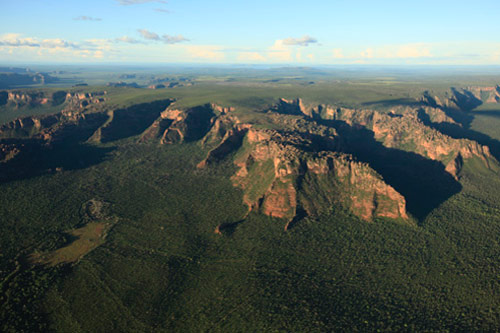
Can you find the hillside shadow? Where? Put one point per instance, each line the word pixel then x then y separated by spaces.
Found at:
pixel 228 228
pixel 36 159
pixel 198 122
pixel 300 214
pixel 133 120
pixel 423 182
pixel 489 113
pixel 395 102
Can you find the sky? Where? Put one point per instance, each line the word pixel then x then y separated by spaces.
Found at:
pixel 313 32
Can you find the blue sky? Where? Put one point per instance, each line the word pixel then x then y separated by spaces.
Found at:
pixel 251 32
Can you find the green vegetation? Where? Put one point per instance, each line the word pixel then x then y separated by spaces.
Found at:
pixel 162 268
pixel 88 238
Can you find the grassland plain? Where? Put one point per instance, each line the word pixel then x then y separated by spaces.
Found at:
pixel 162 267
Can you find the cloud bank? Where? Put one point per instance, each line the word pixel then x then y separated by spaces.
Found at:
pixel 14 40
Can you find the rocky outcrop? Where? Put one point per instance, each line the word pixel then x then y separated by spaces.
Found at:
pixel 71 100
pixel 405 131
pixel 279 178
pixel 51 128
pixel 230 142
pixel 8 151
pixel 180 125
pixel 29 126
pixel 463 99
pixel 79 100
pixel 434 115
pixel 82 125
pixel 286 174
pixel 486 94
pixel 20 98
pixel 455 166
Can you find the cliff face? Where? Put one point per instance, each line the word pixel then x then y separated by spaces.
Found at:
pixel 184 125
pixel 283 173
pixel 80 100
pixel 402 130
pixel 22 98
pixel 279 177
pixel 294 162
pixel 464 99
pixel 294 159
pixel 53 127
pixel 79 124
pixel 131 121
pixel 71 100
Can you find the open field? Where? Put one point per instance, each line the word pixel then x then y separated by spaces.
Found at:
pixel 87 239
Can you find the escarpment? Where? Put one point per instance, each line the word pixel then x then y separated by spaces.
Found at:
pixel 69 100
pixel 282 172
pixel 131 121
pixel 278 177
pixel 184 125
pixel 297 159
pixel 463 99
pixel 292 159
pixel 402 130
pixel 51 128
pixel 81 124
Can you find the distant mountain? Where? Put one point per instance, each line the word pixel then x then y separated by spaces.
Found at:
pixel 14 79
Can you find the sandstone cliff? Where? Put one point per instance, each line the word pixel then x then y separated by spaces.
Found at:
pixel 278 176
pixel 403 130
pixel 70 100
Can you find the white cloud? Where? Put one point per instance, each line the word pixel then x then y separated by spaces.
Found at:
pixel 53 49
pixel 298 56
pixel 161 10
pixel 98 54
pixel 413 51
pixel 279 52
pixel 167 39
pixel 173 39
pixel 398 51
pixel 250 56
pixel 288 49
pixel 15 40
pixel 87 18
pixel 206 52
pixel 496 56
pixel 302 41
pixel 337 53
pixel 148 34
pixel 127 39
pixel 368 53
